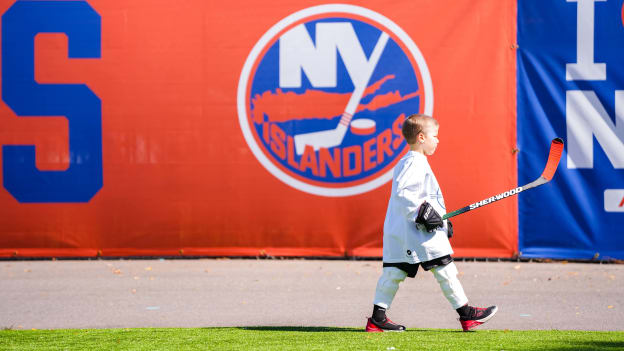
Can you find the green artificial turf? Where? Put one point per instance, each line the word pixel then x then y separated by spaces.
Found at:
pixel 305 338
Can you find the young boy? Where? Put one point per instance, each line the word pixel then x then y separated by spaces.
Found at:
pixel 415 234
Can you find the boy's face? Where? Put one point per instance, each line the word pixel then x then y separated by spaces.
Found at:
pixel 430 139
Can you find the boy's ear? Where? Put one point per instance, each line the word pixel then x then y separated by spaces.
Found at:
pixel 420 137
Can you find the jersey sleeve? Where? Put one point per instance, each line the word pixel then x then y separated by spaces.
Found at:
pixel 410 190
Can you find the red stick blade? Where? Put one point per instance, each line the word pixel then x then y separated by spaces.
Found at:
pixel 556 148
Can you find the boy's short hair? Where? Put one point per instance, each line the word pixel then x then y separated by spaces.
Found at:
pixel 415 124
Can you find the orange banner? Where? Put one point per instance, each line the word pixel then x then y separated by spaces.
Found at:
pixel 247 129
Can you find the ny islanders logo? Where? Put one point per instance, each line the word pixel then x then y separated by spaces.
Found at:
pixel 323 95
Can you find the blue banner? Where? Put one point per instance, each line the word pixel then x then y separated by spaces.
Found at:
pixel 571 84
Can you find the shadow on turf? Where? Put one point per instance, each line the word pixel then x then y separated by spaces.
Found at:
pixel 323 329
pixel 305 329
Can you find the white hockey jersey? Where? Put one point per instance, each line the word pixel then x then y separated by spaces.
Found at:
pixel 413 182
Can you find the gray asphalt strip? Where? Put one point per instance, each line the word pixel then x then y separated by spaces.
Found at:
pixel 237 292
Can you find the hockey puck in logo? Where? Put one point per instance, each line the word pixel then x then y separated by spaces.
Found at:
pixel 363 126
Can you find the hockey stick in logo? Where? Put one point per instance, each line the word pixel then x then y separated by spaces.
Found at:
pixel 556 148
pixel 334 137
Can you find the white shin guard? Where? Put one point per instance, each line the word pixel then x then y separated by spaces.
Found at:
pixel 451 287
pixel 388 285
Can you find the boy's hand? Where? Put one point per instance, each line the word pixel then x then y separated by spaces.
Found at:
pixel 428 217
pixel 449 227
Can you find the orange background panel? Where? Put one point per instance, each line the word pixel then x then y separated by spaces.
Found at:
pixel 179 178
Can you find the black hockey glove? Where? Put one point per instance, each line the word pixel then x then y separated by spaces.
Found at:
pixel 428 217
pixel 449 227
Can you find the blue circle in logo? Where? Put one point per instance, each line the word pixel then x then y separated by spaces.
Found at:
pixel 324 97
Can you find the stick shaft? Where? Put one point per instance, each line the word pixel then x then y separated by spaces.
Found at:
pixel 554 155
pixel 488 201
pixel 360 86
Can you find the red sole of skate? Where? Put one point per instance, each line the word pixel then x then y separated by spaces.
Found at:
pixel 372 328
pixel 469 325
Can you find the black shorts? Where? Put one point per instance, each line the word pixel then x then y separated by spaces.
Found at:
pixel 412 268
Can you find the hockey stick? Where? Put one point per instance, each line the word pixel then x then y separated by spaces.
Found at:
pixel 333 137
pixel 556 148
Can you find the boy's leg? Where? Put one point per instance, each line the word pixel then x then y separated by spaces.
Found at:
pixel 387 287
pixel 469 317
pixel 451 287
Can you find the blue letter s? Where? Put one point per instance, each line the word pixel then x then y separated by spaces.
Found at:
pixel 82 108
